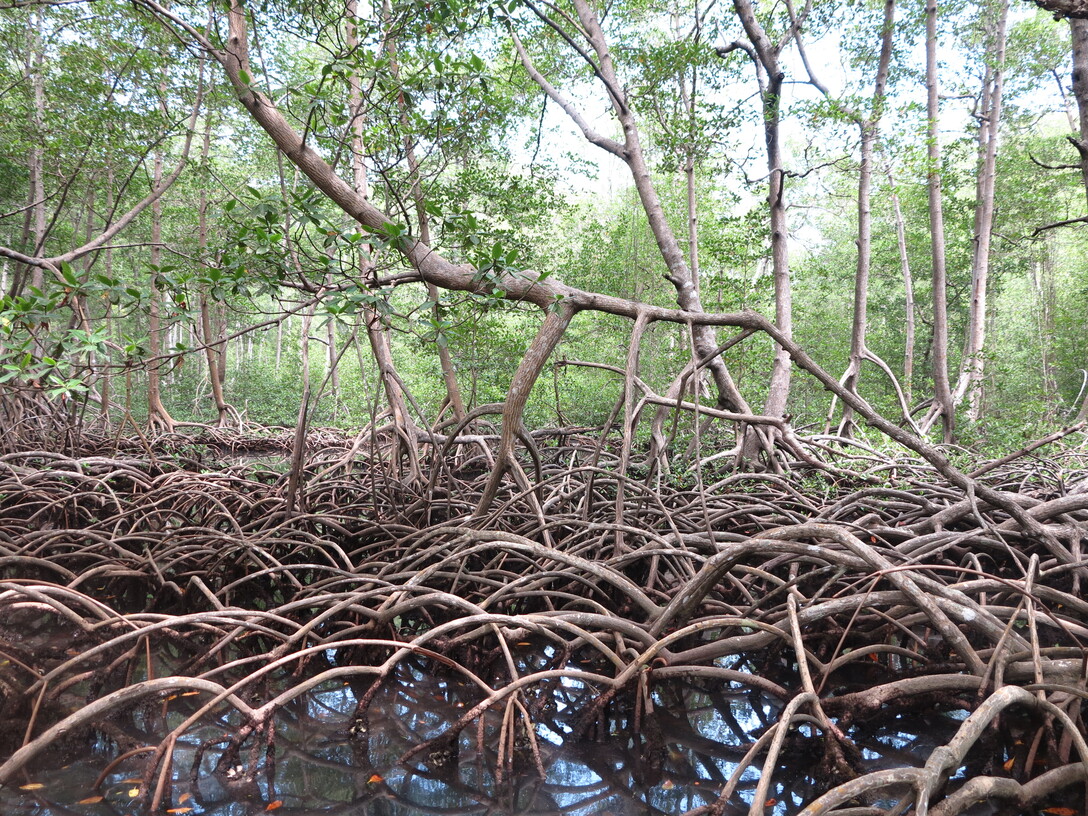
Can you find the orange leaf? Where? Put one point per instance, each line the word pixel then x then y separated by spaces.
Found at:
pixel 770 803
pixel 668 784
pixel 1060 811
pixel 32 786
pixel 180 810
pixel 91 800
pixel 189 693
pixel 1009 763
pixel 183 798
pixel 274 805
pixel 374 779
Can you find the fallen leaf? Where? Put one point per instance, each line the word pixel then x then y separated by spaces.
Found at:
pixel 183 798
pixel 1060 811
pixel 133 793
pixel 32 786
pixel 770 803
pixel 189 693
pixel 275 805
pixel 180 810
pixel 91 800
pixel 668 784
pixel 1007 765
pixel 374 779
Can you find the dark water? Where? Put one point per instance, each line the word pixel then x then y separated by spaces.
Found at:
pixel 680 759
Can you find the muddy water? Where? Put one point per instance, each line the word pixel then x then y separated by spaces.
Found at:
pixel 680 758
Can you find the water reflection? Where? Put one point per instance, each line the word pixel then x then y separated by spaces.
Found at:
pixel 671 760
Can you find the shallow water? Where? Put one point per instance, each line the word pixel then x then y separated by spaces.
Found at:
pixel 680 759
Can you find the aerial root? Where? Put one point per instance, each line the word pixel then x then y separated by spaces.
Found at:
pixel 839 603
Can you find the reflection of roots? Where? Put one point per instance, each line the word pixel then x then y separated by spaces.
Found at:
pixel 838 602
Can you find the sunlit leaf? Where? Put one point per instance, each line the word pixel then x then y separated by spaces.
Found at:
pixel 668 784
pixel 133 793
pixel 375 779
pixel 274 805
pixel 1009 763
pixel 180 810
pixel 32 786
pixel 184 798
pixel 91 800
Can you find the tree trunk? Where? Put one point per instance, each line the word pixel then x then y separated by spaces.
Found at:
pixel 158 417
pixel 1042 279
pixel 36 67
pixel 1079 30
pixel 212 352
pixel 334 374
pixel 869 127
pixel 1073 9
pixel 295 483
pixel 631 153
pixel 943 406
pixel 908 290
pixel 972 369
pixel 449 371
pixel 376 330
pixel 770 94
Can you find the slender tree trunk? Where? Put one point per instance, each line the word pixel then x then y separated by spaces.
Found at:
pixel 688 98
pixel 972 369
pixel 770 94
pixel 279 342
pixel 377 333
pixel 334 375
pixel 449 371
pixel 631 153
pixel 212 352
pixel 219 318
pixel 1079 30
pixel 295 485
pixel 37 150
pixel 869 126
pixel 157 416
pixel 943 406
pixel 107 263
pixel 1043 282
pixel 908 289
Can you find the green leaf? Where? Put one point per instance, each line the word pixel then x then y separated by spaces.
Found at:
pixel 69 275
